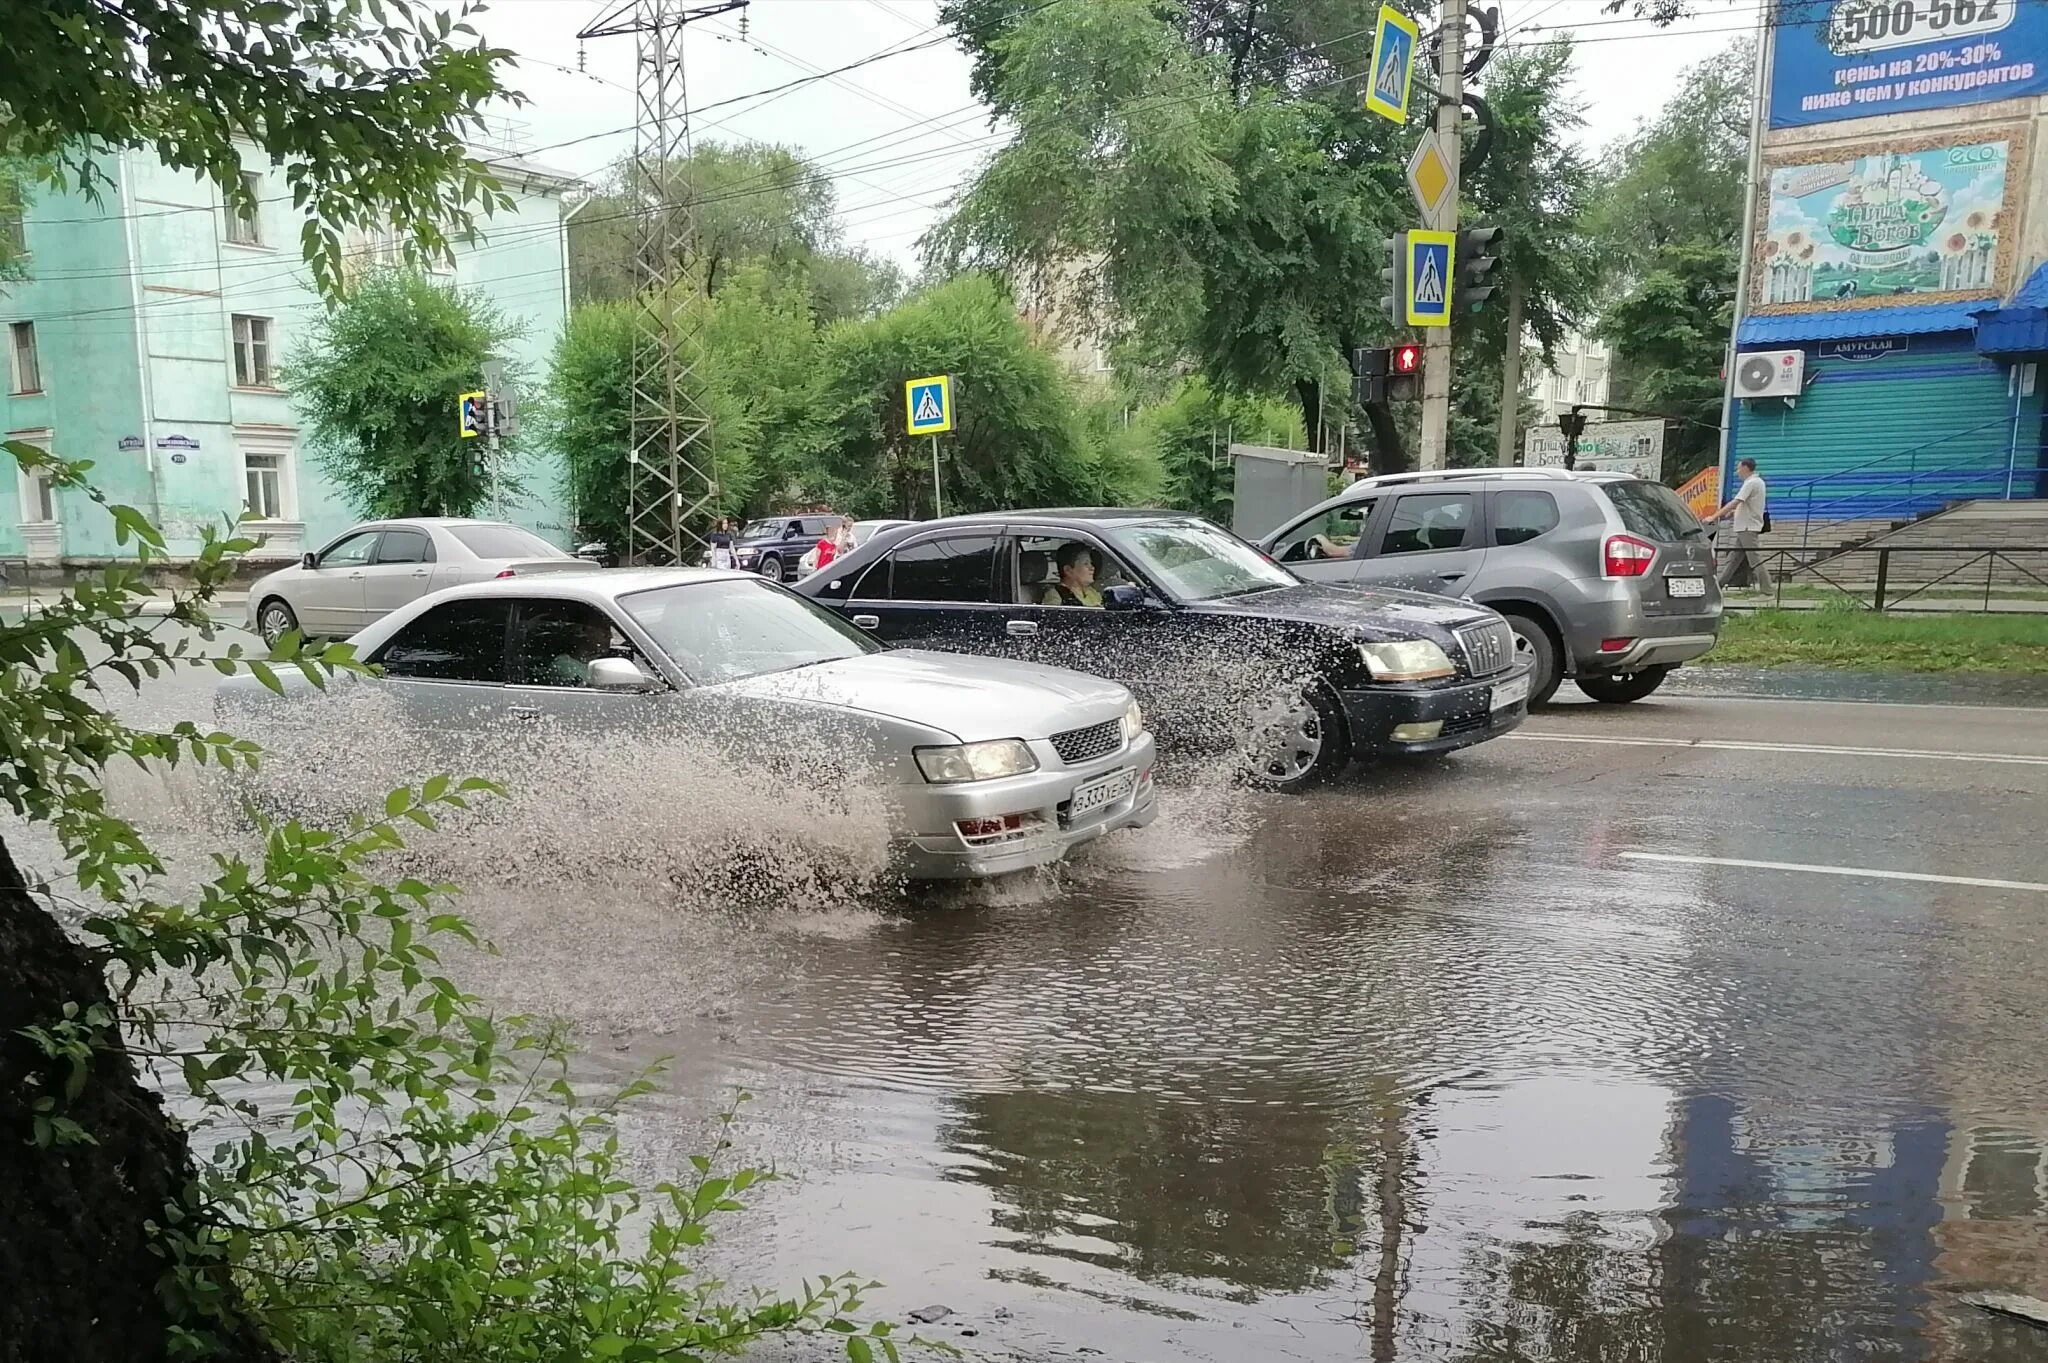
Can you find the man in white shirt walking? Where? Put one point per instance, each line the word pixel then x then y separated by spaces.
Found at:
pixel 1748 519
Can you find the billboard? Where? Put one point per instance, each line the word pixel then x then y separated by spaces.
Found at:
pixel 1836 59
pixel 1926 222
pixel 1635 447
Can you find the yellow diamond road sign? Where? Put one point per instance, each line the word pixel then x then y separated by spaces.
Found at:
pixel 1429 176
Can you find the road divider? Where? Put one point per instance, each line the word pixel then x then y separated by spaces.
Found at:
pixel 1857 872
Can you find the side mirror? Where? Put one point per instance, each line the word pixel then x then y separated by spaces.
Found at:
pixel 1123 596
pixel 619 674
pixel 309 560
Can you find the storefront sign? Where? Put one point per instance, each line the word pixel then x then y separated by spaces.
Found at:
pixel 1927 222
pixel 1857 351
pixel 1700 492
pixel 1633 447
pixel 1836 59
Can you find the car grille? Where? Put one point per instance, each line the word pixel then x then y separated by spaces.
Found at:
pixel 1489 648
pixel 1085 745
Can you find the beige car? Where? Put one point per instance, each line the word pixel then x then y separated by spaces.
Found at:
pixel 372 569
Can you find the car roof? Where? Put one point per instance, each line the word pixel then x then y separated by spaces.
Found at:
pixel 596 584
pixel 1094 515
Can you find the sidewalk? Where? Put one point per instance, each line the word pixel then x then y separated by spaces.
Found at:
pixel 228 608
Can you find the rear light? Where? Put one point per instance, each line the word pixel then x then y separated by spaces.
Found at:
pixel 509 572
pixel 1627 556
pixel 1614 645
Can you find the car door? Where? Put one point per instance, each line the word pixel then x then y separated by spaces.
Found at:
pixel 329 598
pixel 1326 544
pixel 1042 625
pixel 445 671
pixel 400 573
pixel 553 641
pixel 933 592
pixel 1426 542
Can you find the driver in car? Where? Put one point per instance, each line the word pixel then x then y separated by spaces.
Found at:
pixel 1076 586
pixel 571 667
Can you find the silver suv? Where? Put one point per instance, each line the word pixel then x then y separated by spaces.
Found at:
pixel 1606 578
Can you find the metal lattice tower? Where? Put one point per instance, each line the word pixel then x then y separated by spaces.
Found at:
pixel 672 465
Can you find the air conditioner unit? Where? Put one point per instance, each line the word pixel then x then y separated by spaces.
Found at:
pixel 1770 374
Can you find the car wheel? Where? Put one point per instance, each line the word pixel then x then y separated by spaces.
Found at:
pixel 1534 646
pixel 1298 742
pixel 771 568
pixel 1619 688
pixel 275 620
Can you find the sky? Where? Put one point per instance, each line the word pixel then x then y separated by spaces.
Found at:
pixel 903 135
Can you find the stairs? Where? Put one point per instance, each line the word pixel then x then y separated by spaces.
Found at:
pixel 1945 547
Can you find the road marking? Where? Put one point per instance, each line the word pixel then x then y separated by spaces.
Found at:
pixel 1835 750
pixel 1860 872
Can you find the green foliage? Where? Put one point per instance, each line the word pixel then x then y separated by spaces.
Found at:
pixel 1190 434
pixel 14 195
pixel 377 381
pixel 435 1188
pixel 586 415
pixel 365 107
pixel 1670 218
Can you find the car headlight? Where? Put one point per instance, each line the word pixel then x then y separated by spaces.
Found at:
pixel 975 761
pixel 1134 722
pixel 1406 660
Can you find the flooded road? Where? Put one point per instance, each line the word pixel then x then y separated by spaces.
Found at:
pixel 1441 1063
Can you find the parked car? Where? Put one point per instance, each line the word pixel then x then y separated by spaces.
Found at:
pixel 1222 645
pixel 863 531
pixel 370 570
pixel 991 766
pixel 774 545
pixel 1605 578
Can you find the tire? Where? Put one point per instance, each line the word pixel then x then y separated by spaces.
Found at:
pixel 1314 744
pixel 274 620
pixel 1620 688
pixel 1534 646
pixel 771 568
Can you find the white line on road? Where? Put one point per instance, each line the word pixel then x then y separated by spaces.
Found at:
pixel 1827 749
pixel 1861 872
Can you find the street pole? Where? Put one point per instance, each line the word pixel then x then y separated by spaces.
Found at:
pixel 1511 380
pixel 1436 346
pixel 938 505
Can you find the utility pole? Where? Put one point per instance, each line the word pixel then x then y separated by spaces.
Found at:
pixel 1450 105
pixel 1511 380
pixel 672 467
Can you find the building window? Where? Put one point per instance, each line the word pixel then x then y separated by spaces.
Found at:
pixel 28 371
pixel 38 494
pixel 245 225
pixel 268 490
pixel 252 351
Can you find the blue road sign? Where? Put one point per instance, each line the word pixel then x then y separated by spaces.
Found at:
pixel 928 405
pixel 1393 62
pixel 1429 278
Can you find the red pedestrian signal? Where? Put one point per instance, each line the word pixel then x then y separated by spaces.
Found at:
pixel 1407 359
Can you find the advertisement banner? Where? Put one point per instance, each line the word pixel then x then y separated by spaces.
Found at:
pixel 1923 223
pixel 1635 447
pixel 1701 492
pixel 1836 59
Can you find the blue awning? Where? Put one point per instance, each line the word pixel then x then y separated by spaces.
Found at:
pixel 2021 326
pixel 1859 322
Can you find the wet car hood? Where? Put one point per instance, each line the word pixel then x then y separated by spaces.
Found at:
pixel 971 698
pixel 1364 611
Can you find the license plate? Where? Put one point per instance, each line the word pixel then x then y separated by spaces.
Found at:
pixel 1686 586
pixel 1510 693
pixel 1103 790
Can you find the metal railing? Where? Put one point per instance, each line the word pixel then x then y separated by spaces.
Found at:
pixel 1920 483
pixel 1884 591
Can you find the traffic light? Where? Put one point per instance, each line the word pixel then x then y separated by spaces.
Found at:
pixel 1478 254
pixel 1395 278
pixel 1369 370
pixel 1404 372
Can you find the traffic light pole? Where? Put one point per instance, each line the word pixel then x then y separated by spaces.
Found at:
pixel 1436 362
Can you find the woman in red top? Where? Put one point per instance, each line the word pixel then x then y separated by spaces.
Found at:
pixel 838 537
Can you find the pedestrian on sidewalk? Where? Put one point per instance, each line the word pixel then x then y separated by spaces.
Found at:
pixel 1747 517
pixel 721 543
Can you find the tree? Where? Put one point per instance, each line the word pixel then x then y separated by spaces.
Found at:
pixel 1669 219
pixel 1019 440
pixel 851 284
pixel 1190 434
pixel 377 383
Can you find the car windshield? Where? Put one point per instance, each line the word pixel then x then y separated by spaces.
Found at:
pixel 504 541
pixel 1202 562
pixel 1653 511
pixel 764 529
pixel 724 630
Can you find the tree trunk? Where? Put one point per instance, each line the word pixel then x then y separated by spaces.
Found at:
pixel 1511 380
pixel 1309 394
pixel 75 1247
pixel 1388 454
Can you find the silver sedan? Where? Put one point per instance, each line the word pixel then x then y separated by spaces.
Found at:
pixel 986 766
pixel 372 569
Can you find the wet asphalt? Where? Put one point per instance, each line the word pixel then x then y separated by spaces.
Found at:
pixel 1436 1065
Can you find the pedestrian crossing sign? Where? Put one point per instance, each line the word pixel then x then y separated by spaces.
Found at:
pixel 1393 62
pixel 1429 277
pixel 928 405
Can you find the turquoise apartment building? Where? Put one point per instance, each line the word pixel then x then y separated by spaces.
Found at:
pixel 149 336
